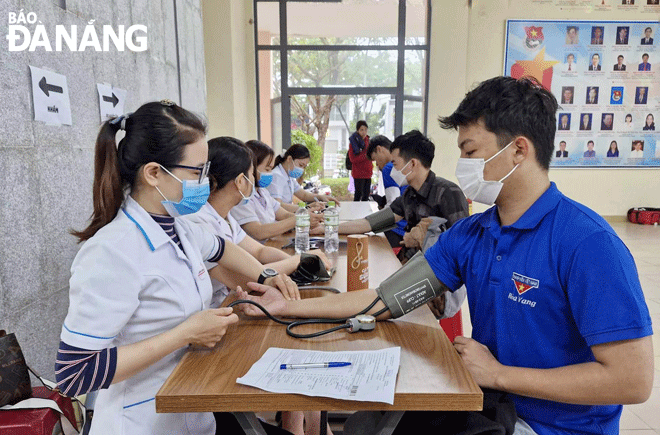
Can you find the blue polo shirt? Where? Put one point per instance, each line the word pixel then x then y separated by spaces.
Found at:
pixel 388 181
pixel 541 292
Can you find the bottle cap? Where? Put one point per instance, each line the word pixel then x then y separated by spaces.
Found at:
pixel 301 204
pixel 331 203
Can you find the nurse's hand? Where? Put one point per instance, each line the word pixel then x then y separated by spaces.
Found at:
pixel 285 285
pixel 317 231
pixel 315 219
pixel 316 206
pixel 206 328
pixel 271 299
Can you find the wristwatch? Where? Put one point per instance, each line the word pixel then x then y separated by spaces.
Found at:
pixel 267 273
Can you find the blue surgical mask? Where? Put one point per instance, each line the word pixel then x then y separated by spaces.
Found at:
pixel 265 179
pixel 246 199
pixel 296 172
pixel 195 194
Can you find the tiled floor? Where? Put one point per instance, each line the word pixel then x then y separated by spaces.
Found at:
pixel 644 243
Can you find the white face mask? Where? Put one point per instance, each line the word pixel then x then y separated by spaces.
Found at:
pixel 470 174
pixel 398 176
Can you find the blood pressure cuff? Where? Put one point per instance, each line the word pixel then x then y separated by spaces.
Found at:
pixel 381 220
pixel 409 287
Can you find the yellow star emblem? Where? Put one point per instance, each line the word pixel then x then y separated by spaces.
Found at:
pixel 535 67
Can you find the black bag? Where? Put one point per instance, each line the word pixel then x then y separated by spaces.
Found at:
pixel 348 163
pixel 14 377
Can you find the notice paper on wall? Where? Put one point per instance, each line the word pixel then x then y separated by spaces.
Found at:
pixel 50 94
pixel 371 377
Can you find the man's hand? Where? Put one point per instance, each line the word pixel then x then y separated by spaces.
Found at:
pixel 315 219
pixel 437 305
pixel 271 299
pixel 479 361
pixel 409 241
pixel 285 285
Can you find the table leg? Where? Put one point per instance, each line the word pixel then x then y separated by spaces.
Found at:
pixel 250 423
pixel 323 425
pixel 388 422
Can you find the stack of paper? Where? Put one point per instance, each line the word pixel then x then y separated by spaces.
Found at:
pixel 370 377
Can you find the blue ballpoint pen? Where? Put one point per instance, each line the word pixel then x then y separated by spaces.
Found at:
pixel 325 365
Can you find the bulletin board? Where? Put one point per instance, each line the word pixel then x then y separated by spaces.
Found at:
pixel 606 78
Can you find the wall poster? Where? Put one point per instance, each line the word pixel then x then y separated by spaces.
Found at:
pixel 606 78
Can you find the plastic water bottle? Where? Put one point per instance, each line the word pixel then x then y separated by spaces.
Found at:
pixel 302 229
pixel 331 243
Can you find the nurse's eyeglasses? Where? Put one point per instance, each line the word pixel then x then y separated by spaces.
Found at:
pixel 203 170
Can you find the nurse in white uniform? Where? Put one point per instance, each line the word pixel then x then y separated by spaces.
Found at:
pixel 261 216
pixel 232 182
pixel 288 169
pixel 139 291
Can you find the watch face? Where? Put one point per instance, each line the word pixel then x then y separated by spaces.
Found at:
pixel 270 272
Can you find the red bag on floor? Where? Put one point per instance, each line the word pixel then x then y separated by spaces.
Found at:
pixel 644 215
pixel 40 421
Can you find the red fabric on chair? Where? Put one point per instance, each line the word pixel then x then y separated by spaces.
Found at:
pixel 453 326
pixel 42 421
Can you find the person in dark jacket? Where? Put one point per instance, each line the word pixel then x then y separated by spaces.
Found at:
pixel 363 167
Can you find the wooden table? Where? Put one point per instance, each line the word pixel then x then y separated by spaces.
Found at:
pixel 431 376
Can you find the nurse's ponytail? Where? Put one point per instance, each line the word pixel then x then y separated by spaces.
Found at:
pixel 156 132
pixel 296 151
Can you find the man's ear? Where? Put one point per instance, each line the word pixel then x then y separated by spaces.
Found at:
pixel 151 173
pixel 522 149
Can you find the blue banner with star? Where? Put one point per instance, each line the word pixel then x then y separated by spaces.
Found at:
pixel 606 78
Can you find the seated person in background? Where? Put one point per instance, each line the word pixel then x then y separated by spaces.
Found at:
pixel 426 195
pixel 232 182
pixel 288 168
pixel 590 150
pixel 262 217
pixel 379 151
pixel 541 271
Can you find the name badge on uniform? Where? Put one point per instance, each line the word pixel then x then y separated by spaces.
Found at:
pixel 202 273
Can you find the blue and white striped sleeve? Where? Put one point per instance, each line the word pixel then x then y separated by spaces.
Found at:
pixel 79 371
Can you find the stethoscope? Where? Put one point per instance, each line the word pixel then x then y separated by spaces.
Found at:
pixel 357 322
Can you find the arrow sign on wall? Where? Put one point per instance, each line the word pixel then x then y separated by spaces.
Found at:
pixel 114 100
pixel 111 101
pixel 49 88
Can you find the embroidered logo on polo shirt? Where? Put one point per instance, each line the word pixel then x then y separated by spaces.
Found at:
pixel 524 283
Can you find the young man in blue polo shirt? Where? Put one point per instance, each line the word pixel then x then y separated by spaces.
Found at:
pixel 379 151
pixel 559 317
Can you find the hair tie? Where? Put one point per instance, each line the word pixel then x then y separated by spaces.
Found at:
pixel 167 102
pixel 121 120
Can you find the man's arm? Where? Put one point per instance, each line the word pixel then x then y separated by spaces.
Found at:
pixel 360 226
pixel 621 374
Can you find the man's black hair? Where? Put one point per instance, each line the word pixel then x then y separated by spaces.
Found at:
pixel 378 141
pixel 414 145
pixel 508 108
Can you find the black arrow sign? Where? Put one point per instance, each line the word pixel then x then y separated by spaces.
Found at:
pixel 52 88
pixel 114 100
